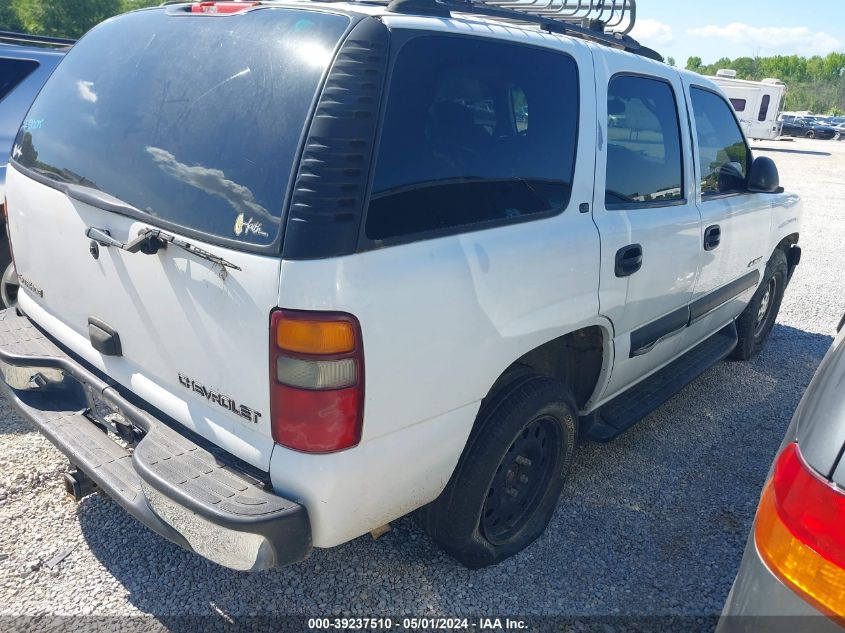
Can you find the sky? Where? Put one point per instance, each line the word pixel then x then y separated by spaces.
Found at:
pixel 712 29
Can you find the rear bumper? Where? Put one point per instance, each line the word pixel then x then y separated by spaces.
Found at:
pixel 180 486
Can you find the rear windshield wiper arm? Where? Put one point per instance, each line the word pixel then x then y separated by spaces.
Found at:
pixel 150 241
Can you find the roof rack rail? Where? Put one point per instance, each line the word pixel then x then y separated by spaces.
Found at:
pixel 7 37
pixel 605 22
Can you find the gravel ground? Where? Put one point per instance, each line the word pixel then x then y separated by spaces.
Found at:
pixel 652 524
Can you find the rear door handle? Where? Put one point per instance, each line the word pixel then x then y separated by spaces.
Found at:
pixel 712 237
pixel 629 259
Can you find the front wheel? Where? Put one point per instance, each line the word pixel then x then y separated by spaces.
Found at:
pixel 757 320
pixel 810 134
pixel 506 485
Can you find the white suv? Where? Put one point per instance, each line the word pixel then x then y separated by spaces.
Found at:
pixel 293 270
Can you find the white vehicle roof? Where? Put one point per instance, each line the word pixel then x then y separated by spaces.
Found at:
pixel 516 22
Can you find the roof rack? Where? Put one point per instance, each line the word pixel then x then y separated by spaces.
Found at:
pixel 7 37
pixel 606 22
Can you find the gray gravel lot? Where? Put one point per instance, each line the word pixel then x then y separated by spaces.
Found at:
pixel 651 524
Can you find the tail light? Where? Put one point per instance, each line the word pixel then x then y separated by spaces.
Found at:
pixel 222 7
pixel 317 380
pixel 800 532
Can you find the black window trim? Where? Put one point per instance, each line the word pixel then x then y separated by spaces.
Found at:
pixel 274 248
pixel 399 37
pixel 36 66
pixel 650 204
pixel 707 197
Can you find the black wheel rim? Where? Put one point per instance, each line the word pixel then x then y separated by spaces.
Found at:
pixel 521 480
pixel 764 311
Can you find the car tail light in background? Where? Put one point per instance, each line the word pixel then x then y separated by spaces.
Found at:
pixel 800 532
pixel 317 380
pixel 222 7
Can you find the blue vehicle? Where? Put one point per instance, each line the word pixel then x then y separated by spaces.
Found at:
pixel 26 61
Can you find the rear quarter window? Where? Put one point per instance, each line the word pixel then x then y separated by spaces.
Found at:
pixel 13 72
pixel 476 134
pixel 194 120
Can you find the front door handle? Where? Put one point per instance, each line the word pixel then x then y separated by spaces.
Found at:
pixel 629 259
pixel 712 237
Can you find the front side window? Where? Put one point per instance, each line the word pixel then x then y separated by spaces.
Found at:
pixel 723 154
pixel 12 72
pixel 476 133
pixel 738 104
pixel 644 161
pixel 764 108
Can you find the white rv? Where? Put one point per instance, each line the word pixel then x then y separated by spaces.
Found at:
pixel 757 103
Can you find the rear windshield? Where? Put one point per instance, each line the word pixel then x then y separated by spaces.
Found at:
pixel 192 119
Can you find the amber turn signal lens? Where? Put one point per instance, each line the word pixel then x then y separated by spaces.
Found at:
pixel 315 337
pixel 799 532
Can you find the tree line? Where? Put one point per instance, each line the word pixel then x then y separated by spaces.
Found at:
pixel 814 83
pixel 62 18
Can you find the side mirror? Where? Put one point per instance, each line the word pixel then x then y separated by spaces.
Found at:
pixel 764 176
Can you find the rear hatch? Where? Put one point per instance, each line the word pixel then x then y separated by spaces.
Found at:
pixel 191 124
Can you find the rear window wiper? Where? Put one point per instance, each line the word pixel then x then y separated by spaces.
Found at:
pixel 149 241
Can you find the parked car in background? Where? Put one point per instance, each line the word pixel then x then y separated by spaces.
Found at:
pixel 839 127
pixel 26 61
pixel 806 128
pixel 794 562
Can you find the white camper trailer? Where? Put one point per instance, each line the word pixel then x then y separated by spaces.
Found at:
pixel 757 103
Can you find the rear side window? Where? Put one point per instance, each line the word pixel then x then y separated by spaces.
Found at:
pixel 194 120
pixel 764 108
pixel 738 104
pixel 644 161
pixel 12 72
pixel 476 133
pixel 723 154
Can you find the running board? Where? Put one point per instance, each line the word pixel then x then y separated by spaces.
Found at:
pixel 630 407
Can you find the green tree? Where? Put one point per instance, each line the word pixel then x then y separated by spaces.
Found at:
pixel 694 64
pixel 64 18
pixel 9 18
pixel 670 60
pixel 132 5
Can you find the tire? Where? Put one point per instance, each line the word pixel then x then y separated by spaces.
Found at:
pixel 507 482
pixel 757 320
pixel 9 287
pixel 810 134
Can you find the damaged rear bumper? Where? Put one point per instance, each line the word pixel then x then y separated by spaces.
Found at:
pixel 182 487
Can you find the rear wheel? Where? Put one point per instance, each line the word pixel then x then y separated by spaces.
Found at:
pixel 810 134
pixel 505 488
pixel 757 320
